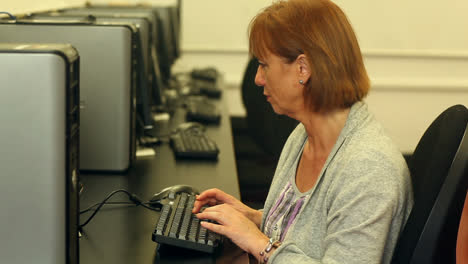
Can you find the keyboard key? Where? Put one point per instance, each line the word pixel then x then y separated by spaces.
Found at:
pixel 202 235
pixel 166 209
pixel 211 238
pixel 194 229
pixel 176 222
pixel 185 225
pixel 177 226
pixel 193 143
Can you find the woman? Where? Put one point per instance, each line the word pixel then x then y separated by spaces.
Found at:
pixel 341 191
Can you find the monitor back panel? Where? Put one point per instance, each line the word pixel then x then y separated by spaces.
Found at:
pixel 105 87
pixel 38 158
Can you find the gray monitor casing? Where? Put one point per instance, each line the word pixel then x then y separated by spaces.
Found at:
pixel 39 139
pixel 107 140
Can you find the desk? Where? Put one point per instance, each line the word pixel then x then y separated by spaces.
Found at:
pixel 122 234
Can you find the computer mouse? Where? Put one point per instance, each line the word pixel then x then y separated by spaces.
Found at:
pixel 170 192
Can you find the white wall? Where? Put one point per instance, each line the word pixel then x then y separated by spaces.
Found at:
pixel 214 33
pixel 415 24
pixel 416 52
pixel 213 29
pixel 25 6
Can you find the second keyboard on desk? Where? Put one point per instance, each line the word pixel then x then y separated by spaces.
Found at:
pixel 192 143
pixel 201 109
pixel 177 226
pixel 204 112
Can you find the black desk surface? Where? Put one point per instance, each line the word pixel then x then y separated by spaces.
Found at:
pixel 122 234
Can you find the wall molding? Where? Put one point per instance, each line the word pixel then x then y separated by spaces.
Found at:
pixel 403 53
pixel 403 70
pixel 433 54
pixel 407 85
pixel 214 50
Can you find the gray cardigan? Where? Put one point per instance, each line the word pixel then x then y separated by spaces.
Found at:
pixel 362 198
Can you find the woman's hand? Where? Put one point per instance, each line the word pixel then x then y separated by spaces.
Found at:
pixel 233 224
pixel 213 197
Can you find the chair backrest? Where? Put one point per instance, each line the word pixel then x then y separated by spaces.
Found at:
pixel 439 171
pixel 462 238
pixel 267 128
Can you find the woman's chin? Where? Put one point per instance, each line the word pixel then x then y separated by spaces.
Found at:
pixel 276 109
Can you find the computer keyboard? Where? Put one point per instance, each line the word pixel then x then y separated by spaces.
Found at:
pixel 209 74
pixel 203 111
pixel 192 143
pixel 177 226
pixel 207 88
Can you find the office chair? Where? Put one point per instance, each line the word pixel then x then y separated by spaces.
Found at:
pixel 267 128
pixel 262 139
pixel 462 238
pixel 439 171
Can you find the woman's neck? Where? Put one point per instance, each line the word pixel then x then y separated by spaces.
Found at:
pixel 323 130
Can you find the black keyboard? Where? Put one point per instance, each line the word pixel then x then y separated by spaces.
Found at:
pixel 177 226
pixel 203 111
pixel 209 74
pixel 207 88
pixel 192 143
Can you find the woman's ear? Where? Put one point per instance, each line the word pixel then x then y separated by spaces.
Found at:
pixel 303 68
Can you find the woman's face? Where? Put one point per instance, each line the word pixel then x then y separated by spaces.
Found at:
pixel 280 82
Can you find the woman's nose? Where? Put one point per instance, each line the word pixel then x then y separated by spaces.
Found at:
pixel 259 79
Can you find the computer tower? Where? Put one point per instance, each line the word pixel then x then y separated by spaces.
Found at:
pixel 142 49
pixel 39 139
pixel 160 53
pixel 108 81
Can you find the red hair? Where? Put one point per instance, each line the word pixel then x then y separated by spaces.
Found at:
pixel 320 30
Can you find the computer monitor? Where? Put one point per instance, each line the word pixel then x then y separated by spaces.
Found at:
pixel 107 111
pixel 174 15
pixel 166 37
pixel 39 139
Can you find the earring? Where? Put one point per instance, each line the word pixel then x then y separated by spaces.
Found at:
pixel 301 81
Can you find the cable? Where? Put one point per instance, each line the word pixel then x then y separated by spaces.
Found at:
pixel 9 14
pixel 131 196
pixel 112 203
pixel 96 204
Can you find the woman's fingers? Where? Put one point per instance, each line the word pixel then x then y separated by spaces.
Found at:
pixel 212 213
pixel 210 197
pixel 232 224
pixel 217 228
pixel 213 194
pixel 200 203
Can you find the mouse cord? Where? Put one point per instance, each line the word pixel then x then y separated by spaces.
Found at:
pixel 91 208
pixel 7 13
pixel 131 196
